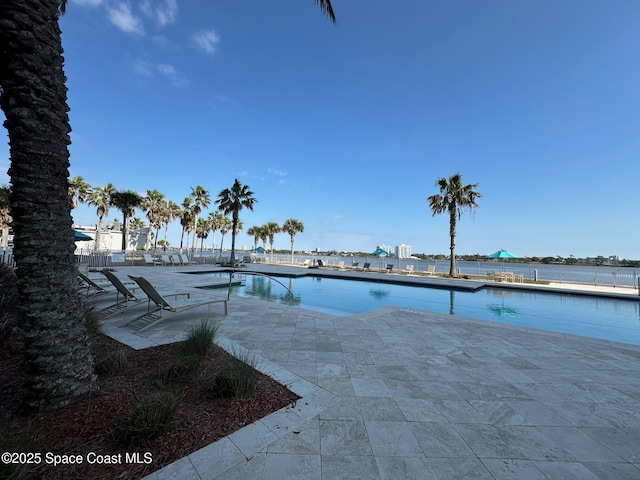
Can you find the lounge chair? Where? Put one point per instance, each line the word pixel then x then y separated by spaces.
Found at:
pixel 186 260
pixel 320 263
pixel 389 268
pixel 408 269
pixel 98 289
pixel 148 260
pixel 431 270
pixel 355 266
pixel 366 267
pixel 339 265
pixel 166 260
pixel 176 260
pixel 154 314
pixel 306 263
pixel 120 289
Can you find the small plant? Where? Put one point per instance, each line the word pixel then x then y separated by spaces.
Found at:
pixel 199 339
pixel 151 417
pixel 184 369
pixel 238 379
pixel 113 363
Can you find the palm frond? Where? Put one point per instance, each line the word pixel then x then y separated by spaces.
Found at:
pixel 327 9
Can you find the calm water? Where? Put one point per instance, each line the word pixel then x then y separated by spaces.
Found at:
pixel 597 317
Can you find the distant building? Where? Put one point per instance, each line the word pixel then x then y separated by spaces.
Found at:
pixel 386 248
pixel 111 238
pixel 403 251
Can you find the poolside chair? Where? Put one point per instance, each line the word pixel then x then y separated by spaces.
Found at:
pixel 148 260
pixel 306 263
pixel 98 289
pixel 154 314
pixel 120 289
pixel 339 265
pixel 431 270
pixel 186 260
pixel 176 260
pixel 320 263
pixel 389 268
pixel 355 266
pixel 366 267
pixel 408 269
pixel 166 260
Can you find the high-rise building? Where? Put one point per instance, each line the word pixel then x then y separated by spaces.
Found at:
pixel 403 251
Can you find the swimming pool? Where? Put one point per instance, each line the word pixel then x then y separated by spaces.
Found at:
pixel 597 317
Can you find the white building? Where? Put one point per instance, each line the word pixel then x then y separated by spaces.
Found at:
pixel 403 251
pixel 111 238
pixel 386 248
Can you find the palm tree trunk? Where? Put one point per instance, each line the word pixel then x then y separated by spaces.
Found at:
pixel 292 241
pixel 99 229
pixel 181 238
pixel 234 228
pixel 59 365
pixel 166 231
pixel 452 234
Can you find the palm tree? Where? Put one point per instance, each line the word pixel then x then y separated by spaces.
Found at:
pixel 201 198
pixel 225 225
pixel 202 231
pixel 152 203
pixel 5 215
pixel 454 197
pixel 271 228
pixel 101 198
pixel 232 201
pixel 170 212
pixel 292 226
pixel 79 191
pixel 186 219
pixel 215 220
pixel 262 232
pixel 58 357
pixel 255 233
pixel 126 202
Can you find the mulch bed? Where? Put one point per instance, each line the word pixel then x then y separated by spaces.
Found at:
pixel 91 424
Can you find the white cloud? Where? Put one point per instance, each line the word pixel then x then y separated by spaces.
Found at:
pixel 176 78
pixel 143 68
pixel 164 12
pixel 122 17
pixel 206 41
pixel 275 171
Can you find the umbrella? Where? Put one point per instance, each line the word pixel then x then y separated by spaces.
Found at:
pixel 380 252
pixel 502 254
pixel 80 237
pixel 259 250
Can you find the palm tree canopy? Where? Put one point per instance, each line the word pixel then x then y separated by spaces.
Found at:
pixel 454 197
pixel 233 200
pixel 325 6
pixel 293 226
pixel 126 201
pixel 79 191
pixel 101 199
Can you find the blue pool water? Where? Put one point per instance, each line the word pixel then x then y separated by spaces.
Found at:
pixel 597 317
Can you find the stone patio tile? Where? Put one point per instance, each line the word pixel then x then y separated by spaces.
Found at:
pixel 614 471
pixel 440 391
pixel 216 458
pixel 580 446
pixel 181 469
pixel 279 466
pixel 623 442
pixel 370 387
pixel 252 467
pixel 392 439
pixel 405 468
pixel 347 408
pixel 344 437
pixel 303 440
pixel 566 470
pixel 379 408
pixel 253 438
pixel 419 410
pixel 459 468
pixel 440 440
pixel 340 467
pixel 534 413
pixel 504 469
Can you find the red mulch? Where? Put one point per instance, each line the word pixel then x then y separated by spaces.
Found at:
pixel 90 424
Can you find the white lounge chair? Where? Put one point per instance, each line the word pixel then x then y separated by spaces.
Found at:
pixel 431 270
pixel 186 260
pixel 176 260
pixel 149 260
pixel 408 269
pixel 154 314
pixel 166 260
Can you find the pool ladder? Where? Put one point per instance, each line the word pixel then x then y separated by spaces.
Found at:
pixel 254 273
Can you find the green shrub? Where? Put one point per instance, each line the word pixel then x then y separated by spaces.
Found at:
pixel 151 417
pixel 113 363
pixel 183 369
pixel 199 339
pixel 238 379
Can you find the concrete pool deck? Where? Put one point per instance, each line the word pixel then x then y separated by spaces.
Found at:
pixel 396 393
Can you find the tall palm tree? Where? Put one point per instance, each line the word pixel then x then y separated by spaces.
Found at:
pixel 126 202
pixel 271 228
pixel 58 358
pixel 201 198
pixel 152 203
pixel 101 199
pixel 215 220
pixel 186 219
pixel 5 215
pixel 170 212
pixel 292 226
pixel 202 231
pixel 79 191
pixel 230 202
pixel 454 197
pixel 264 234
pixel 225 225
pixel 255 233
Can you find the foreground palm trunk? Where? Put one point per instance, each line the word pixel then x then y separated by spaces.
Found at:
pixel 33 98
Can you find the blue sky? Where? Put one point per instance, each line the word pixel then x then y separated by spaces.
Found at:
pixel 347 127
